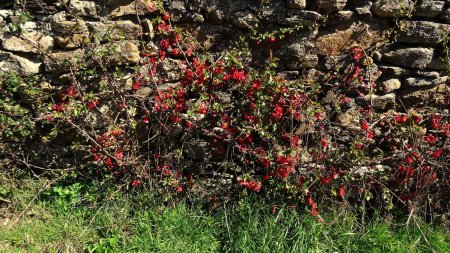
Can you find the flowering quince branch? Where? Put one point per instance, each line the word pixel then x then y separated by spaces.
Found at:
pixel 184 108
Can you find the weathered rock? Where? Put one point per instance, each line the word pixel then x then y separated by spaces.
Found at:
pixel 424 81
pixel 425 95
pixel 245 20
pixel 73 41
pixel 296 4
pixel 115 30
pixel 393 70
pixel 417 58
pixel 33 42
pixel 64 61
pixel 306 61
pixel 195 150
pixel 170 70
pixel 300 17
pixel 329 5
pixel 21 65
pixel 393 8
pixel 148 28
pixel 70 27
pixel 349 119
pixel 429 8
pixel 41 6
pixel 423 32
pixel 357 35
pixel 362 7
pixel 391 85
pixel 120 8
pixel 125 53
pixel 82 8
pixel 425 73
pixel 382 102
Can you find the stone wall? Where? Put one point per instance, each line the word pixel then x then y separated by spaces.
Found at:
pixel 405 38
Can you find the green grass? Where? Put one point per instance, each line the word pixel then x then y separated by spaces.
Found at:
pixel 74 220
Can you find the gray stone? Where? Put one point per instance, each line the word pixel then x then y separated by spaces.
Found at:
pixel 115 30
pixel 329 5
pixel 393 70
pixel 126 52
pixel 170 70
pixel 306 61
pixel 300 17
pixel 296 4
pixel 33 42
pixel 349 119
pixel 119 8
pixel 195 150
pixel 63 61
pixel 393 8
pixel 423 32
pixel 417 58
pixel 21 65
pixel 82 8
pixel 69 27
pixel 429 8
pixel 391 85
pixel 426 95
pixel 425 81
pixel 425 73
pixel 245 20
pixel 73 41
pixel 380 102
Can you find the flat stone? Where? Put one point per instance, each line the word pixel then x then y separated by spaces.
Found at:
pixel 429 8
pixel 329 5
pixel 356 35
pixel 393 70
pixel 391 85
pixel 378 102
pixel 14 63
pixel 417 58
pixel 82 8
pixel 425 73
pixel 306 61
pixel 125 53
pixel 115 30
pixel 300 17
pixel 296 4
pixel 69 27
pixel 119 8
pixel 245 20
pixel 170 70
pixel 63 61
pixel 33 42
pixel 73 41
pixel 425 96
pixel 424 81
pixel 393 8
pixel 423 32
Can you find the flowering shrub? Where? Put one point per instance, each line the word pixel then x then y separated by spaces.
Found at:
pixel 187 113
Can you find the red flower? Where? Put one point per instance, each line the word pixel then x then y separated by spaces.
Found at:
pixel 118 155
pixel 400 119
pixel 357 53
pixel 437 153
pixel 272 39
pixel 202 109
pixel 136 85
pixel 92 104
pixel 136 183
pixel 364 125
pixel 409 159
pixel 324 143
pixel 430 139
pixel 179 189
pixel 278 112
pixel 166 16
pixel 342 192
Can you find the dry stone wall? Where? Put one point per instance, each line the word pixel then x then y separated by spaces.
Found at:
pixel 407 39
